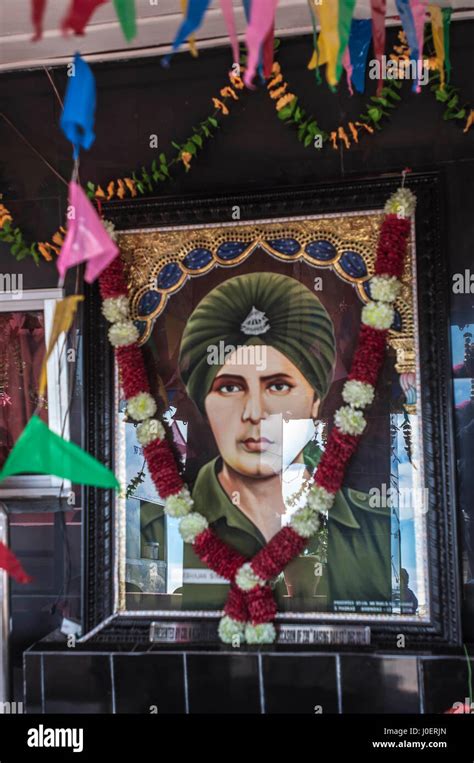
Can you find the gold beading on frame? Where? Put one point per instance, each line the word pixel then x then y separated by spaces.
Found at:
pixel 145 252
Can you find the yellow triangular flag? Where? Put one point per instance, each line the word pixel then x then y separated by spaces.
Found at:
pixel 63 317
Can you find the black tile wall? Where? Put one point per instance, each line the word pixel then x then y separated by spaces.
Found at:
pixel 149 683
pixel 300 684
pixel 379 685
pixel 215 683
pixel 445 682
pixel 77 683
pixel 221 683
pixel 32 683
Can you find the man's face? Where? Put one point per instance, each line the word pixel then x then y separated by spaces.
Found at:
pixel 246 408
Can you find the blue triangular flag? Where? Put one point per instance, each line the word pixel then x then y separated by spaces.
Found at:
pixel 77 119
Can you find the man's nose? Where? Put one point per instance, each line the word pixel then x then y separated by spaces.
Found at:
pixel 254 410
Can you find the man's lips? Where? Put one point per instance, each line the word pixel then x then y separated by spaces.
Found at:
pixel 256 445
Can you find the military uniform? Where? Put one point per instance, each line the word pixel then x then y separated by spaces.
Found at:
pixel 358 551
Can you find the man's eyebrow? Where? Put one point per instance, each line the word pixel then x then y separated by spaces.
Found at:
pixel 219 377
pixel 279 375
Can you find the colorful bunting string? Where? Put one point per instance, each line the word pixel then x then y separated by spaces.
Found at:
pixel 262 18
pixel 195 13
pixel 378 10
pixel 79 15
pixel 12 565
pixel 77 118
pixel 126 14
pixel 64 313
pixel 359 43
pixel 38 450
pixel 86 240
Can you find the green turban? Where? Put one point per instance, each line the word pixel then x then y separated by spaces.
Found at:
pixel 258 308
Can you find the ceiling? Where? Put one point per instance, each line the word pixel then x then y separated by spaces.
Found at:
pixel 157 22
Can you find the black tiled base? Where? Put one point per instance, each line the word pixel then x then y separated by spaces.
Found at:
pixel 300 684
pixel 445 683
pixel 190 681
pixel 149 683
pixel 223 683
pixel 379 685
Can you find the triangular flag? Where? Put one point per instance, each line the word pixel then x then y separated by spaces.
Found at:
pixel 195 13
pixel 78 15
pixel 64 313
pixel 262 17
pixel 77 119
pixel 359 43
pixel 126 12
pixel 378 11
pixel 12 565
pixel 38 450
pixel 86 239
pixel 37 13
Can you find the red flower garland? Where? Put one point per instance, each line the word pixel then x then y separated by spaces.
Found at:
pixel 258 604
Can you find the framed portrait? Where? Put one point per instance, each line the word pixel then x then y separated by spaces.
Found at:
pixel 248 309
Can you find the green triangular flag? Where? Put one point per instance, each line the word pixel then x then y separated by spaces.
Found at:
pixel 125 10
pixel 39 451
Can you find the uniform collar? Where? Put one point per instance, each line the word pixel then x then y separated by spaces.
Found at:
pixel 209 493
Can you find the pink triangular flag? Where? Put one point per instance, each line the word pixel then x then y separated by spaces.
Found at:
pixel 86 239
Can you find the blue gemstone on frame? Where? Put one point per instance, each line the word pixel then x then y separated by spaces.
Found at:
pixel 169 276
pixel 285 245
pixel 397 322
pixel 229 250
pixel 141 326
pixel 353 264
pixel 149 302
pixel 321 250
pixel 198 259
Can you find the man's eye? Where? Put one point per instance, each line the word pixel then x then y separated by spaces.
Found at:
pixel 279 387
pixel 228 389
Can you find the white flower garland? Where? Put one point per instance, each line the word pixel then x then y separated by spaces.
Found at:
pixel 141 407
pixel 149 431
pixel 115 309
pixel 379 315
pixel 349 420
pixel 385 288
pixel 179 504
pixel 358 393
pixel 246 578
pixel 123 333
pixel 402 203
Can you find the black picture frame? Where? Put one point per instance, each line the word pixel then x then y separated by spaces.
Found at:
pixel 100 622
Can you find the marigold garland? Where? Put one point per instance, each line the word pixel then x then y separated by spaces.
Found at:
pixel 250 607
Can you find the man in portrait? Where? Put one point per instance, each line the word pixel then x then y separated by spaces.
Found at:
pixel 257 358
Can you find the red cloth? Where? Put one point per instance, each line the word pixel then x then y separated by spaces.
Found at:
pixel 12 565
pixel 79 14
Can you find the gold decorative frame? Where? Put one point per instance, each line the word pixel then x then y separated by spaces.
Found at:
pixel 146 252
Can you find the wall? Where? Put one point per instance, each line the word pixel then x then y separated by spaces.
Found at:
pixel 252 150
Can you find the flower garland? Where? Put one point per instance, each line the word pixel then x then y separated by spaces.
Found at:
pixel 290 111
pixel 250 607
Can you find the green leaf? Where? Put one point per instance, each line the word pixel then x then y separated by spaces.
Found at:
pixel 163 159
pixel 375 114
pixel 442 96
pixel 197 140
pixel 213 122
pixel 453 102
pixel 91 186
pixel 8 238
pixel 164 170
pixel 308 140
pixel 176 145
pixel 377 99
pixel 284 113
pixel 190 148
pixel 397 83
